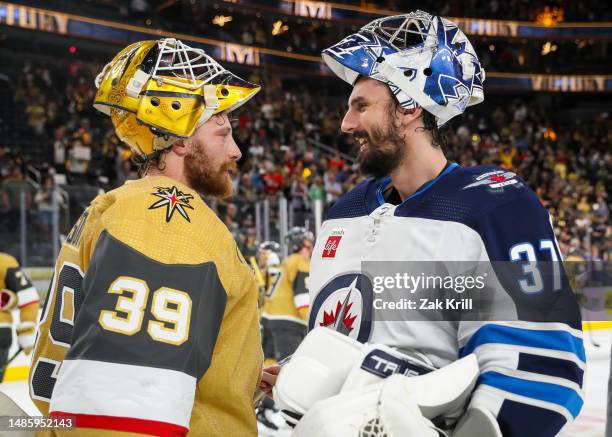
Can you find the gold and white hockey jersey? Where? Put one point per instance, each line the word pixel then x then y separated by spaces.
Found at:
pixel 289 300
pixel 21 291
pixel 151 324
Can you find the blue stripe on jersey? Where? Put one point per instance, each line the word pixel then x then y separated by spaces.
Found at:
pixel 519 420
pixel 550 366
pixel 544 391
pixel 381 188
pixel 431 183
pixel 426 186
pixel 556 340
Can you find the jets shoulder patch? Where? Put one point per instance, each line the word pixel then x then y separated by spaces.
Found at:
pixel 495 180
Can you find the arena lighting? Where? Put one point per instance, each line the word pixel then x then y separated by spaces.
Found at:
pixel 278 27
pixel 222 20
pixel 550 16
pixel 548 47
pixel 550 134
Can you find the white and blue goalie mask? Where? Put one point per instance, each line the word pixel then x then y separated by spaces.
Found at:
pixel 425 60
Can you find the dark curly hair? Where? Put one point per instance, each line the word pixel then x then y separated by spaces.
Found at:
pixel 438 135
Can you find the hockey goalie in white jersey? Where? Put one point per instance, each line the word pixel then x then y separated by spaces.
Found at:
pixel 410 75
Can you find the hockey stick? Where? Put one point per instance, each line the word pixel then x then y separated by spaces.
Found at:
pixel 10 360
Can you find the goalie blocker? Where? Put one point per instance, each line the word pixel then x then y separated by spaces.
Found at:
pixel 336 386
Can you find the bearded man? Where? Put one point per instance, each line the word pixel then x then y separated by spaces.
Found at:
pixel 410 74
pixel 151 325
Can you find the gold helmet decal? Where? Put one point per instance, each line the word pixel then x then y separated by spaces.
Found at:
pixel 158 91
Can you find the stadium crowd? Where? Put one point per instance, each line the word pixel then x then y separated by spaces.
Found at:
pixel 567 163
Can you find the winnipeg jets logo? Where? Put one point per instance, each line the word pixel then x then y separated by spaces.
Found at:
pixel 341 319
pixel 495 180
pixel 174 200
pixel 344 304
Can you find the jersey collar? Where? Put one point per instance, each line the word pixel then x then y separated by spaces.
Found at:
pixel 386 181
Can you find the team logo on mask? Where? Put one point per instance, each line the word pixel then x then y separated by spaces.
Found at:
pixel 174 200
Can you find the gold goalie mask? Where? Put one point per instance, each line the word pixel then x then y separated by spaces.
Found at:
pixel 159 91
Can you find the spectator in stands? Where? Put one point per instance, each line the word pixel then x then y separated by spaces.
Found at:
pixel 59 149
pixel 316 191
pixel 43 199
pixel 333 188
pixel 273 179
pixel 77 161
pixel 36 114
pixel 12 189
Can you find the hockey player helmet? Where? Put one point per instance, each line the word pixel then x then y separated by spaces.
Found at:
pixel 269 246
pixel 296 237
pixel 425 60
pixel 159 91
pixel 268 254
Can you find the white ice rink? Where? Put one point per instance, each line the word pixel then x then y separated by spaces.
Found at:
pixel 590 423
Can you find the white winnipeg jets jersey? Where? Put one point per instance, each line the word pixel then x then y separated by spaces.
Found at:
pixel 532 362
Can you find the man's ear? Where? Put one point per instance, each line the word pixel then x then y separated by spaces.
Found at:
pixel 180 147
pixel 409 115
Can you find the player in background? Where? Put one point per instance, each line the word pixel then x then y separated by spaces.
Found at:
pixel 151 325
pixel 16 290
pixel 410 74
pixel 267 267
pixel 285 311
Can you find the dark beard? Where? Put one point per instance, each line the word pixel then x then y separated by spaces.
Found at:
pixel 203 178
pixel 383 153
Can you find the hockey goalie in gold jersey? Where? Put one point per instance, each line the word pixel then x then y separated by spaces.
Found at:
pixel 286 305
pixel 150 326
pixel 285 312
pixel 16 291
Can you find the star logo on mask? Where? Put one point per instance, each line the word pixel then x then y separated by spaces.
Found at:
pixel 174 200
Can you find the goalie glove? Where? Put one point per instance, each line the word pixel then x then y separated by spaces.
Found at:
pixel 327 363
pixel 317 370
pixel 26 335
pixel 400 406
pixel 385 409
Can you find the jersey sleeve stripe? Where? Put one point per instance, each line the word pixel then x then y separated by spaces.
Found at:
pixel 124 391
pixel 301 300
pixel 518 419
pixel 551 366
pixel 125 424
pixel 556 340
pixel 27 296
pixel 543 391
pixel 541 326
pixel 506 350
pixel 529 376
